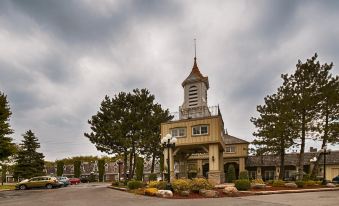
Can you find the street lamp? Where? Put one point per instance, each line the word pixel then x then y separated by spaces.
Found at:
pixel 168 142
pixel 324 151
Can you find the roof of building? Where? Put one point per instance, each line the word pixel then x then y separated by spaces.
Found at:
pixel 290 159
pixel 229 139
pixel 195 76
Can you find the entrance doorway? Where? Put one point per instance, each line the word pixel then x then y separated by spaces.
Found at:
pixel 205 169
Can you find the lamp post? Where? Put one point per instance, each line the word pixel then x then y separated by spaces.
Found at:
pixel 168 142
pixel 324 151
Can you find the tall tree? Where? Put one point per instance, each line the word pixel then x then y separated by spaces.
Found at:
pixel 110 128
pixel 327 125
pixel 30 163
pixel 276 125
pixel 77 171
pixel 101 169
pixel 306 83
pixel 126 124
pixel 60 168
pixel 7 148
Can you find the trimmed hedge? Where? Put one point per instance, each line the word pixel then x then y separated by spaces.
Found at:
pixel 134 184
pixel 243 184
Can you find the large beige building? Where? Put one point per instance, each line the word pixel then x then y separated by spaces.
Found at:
pixel 203 147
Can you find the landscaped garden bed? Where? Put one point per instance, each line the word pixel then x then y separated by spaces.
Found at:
pixel 202 188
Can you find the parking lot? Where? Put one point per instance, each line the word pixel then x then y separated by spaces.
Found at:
pixel 97 194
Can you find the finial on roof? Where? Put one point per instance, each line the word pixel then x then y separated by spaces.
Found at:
pixel 195 48
pixel 195 54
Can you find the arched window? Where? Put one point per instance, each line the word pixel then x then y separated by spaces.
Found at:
pixel 193 96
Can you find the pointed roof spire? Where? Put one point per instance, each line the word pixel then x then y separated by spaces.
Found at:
pixel 195 74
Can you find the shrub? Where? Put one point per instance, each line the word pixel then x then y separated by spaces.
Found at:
pixel 153 184
pixel 243 184
pixel 306 177
pixel 230 177
pixel 300 183
pixel 161 185
pixel 243 175
pixel 278 183
pixel 258 181
pixel 310 183
pixel 151 191
pixel 181 185
pixel 134 184
pixel 269 182
pixel 199 183
pixel 139 168
pixel 152 177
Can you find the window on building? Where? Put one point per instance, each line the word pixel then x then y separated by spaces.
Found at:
pixel 269 175
pixel 178 132
pixel 200 130
pixel 230 149
pixel 252 174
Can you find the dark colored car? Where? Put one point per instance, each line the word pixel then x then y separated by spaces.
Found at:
pixel 84 179
pixel 336 179
pixel 74 181
pixel 42 181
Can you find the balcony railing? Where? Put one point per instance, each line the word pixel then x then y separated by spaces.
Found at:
pixel 195 112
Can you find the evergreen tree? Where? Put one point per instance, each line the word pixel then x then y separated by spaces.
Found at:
pixel 7 148
pixel 30 163
pixel 101 168
pixel 128 124
pixel 139 171
pixel 230 176
pixel 277 125
pixel 77 171
pixel 305 84
pixel 60 168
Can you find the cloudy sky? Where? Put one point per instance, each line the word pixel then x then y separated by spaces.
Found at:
pixel 58 59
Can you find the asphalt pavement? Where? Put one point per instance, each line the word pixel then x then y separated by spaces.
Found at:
pixel 96 194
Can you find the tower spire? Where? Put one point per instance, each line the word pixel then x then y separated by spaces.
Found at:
pixel 195 49
pixel 195 54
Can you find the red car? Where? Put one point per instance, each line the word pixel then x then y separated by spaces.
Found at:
pixel 74 181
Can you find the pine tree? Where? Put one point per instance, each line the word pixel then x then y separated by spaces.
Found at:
pixel 77 171
pixel 101 169
pixel 305 84
pixel 230 176
pixel 129 124
pixel 277 125
pixel 60 168
pixel 7 148
pixel 30 163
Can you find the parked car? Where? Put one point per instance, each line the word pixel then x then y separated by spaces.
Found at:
pixel 74 181
pixel 64 181
pixel 35 182
pixel 336 179
pixel 84 179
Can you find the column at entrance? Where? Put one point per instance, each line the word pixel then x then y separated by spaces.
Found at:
pixel 241 164
pixel 214 173
pixel 199 167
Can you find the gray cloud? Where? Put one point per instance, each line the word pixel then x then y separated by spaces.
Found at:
pixel 59 58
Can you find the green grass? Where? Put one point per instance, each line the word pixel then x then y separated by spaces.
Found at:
pixel 7 187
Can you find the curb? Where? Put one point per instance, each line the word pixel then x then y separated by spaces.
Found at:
pixel 289 191
pixel 117 188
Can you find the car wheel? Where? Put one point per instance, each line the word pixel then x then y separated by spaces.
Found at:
pixel 23 187
pixel 49 186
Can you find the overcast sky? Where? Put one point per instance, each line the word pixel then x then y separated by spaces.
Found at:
pixel 58 59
